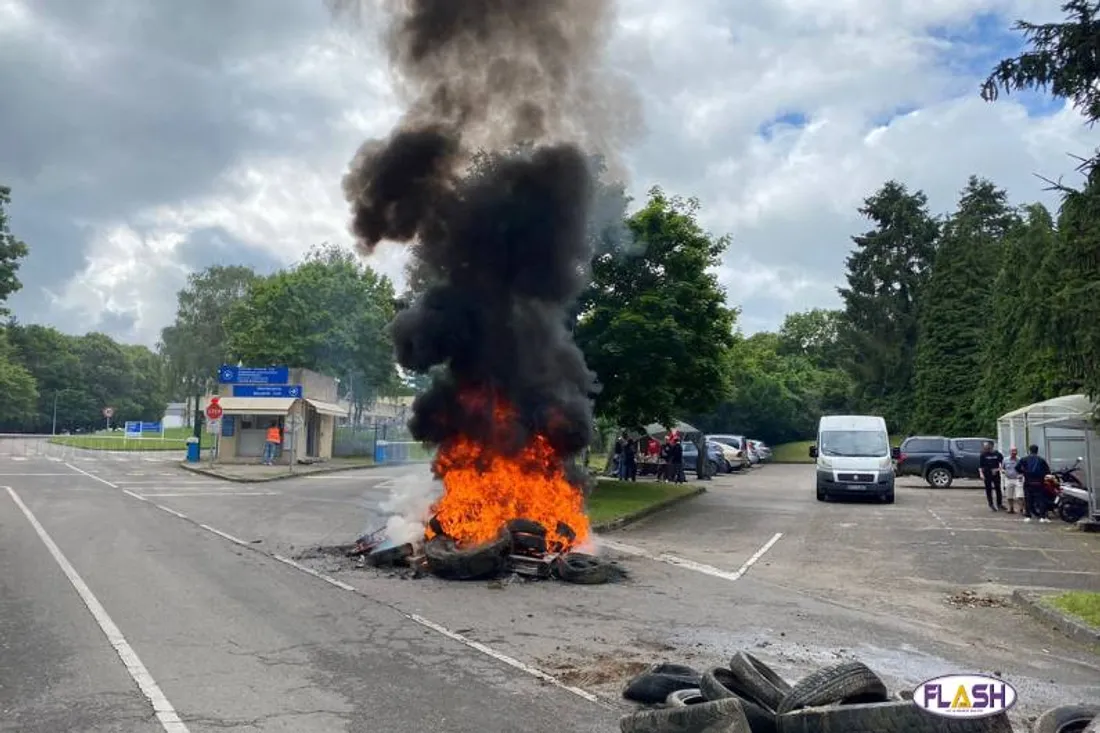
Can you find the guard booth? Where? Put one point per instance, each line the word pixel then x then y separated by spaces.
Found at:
pixel 1064 431
pixel 300 402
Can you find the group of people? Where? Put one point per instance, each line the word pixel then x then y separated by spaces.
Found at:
pixel 667 455
pixel 1022 479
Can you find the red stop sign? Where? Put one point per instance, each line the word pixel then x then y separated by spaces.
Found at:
pixel 214 411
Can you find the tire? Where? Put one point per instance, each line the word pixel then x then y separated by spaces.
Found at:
pixel 759 679
pixel 888 497
pixel 720 716
pixel 526 526
pixel 1071 512
pixel 681 698
pixel 848 682
pixel 583 569
pixel 939 477
pixel 1066 719
pixel 447 560
pixel 653 686
pixel 821 495
pixel 719 684
pixel 896 716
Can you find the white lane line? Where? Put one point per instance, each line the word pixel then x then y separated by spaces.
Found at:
pixel 165 713
pixel 139 497
pixel 162 482
pixel 327 578
pixel 510 661
pixel 35 474
pixel 172 511
pixel 698 567
pixel 209 493
pixel 942 522
pixel 226 535
pixel 427 623
pixel 92 476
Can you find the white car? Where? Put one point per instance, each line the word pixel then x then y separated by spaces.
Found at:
pixel 734 450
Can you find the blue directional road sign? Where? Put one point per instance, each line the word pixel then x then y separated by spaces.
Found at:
pixel 229 374
pixel 133 429
pixel 151 427
pixel 267 390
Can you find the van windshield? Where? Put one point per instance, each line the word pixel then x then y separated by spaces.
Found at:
pixel 854 443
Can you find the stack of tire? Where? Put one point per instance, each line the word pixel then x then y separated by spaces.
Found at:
pixel 749 697
pixel 1069 719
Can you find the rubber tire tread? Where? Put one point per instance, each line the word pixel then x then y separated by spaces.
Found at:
pixel 719 684
pixel 680 698
pixel 849 681
pixel 653 686
pixel 578 567
pixel 719 716
pixel 761 680
pixel 1056 719
pixel 448 561
pixel 896 716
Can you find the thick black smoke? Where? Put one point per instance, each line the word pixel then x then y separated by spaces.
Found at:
pixel 502 243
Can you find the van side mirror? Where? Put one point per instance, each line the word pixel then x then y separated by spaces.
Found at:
pixel 813 451
pixel 895 453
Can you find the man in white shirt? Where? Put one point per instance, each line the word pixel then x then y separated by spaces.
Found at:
pixel 1013 483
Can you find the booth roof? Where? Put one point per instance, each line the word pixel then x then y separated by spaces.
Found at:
pixel 1068 410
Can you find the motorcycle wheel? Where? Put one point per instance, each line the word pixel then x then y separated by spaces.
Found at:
pixel 1070 512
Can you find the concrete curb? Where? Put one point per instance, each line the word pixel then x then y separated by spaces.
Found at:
pixel 202 471
pixel 624 520
pixel 1072 627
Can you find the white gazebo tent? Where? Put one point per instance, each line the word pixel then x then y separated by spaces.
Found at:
pixel 1064 431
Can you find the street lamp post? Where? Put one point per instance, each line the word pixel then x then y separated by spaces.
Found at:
pixel 53 430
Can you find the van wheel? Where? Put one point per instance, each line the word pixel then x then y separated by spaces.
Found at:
pixel 939 477
pixel 888 498
pixel 821 495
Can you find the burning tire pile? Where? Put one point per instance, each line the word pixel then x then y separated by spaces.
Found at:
pixel 747 696
pixel 522 548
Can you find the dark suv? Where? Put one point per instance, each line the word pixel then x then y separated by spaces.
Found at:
pixel 939 460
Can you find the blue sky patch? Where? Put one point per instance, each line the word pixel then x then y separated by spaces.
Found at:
pixel 786 120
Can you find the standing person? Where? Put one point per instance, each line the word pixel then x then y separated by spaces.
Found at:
pixel 1034 470
pixel 662 460
pixel 989 467
pixel 630 455
pixel 272 441
pixel 1013 482
pixel 620 464
pixel 676 462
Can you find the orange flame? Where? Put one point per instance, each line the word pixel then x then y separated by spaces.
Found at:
pixel 483 490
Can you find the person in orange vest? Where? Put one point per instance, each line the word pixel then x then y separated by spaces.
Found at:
pixel 271 444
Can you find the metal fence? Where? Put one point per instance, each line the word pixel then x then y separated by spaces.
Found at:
pixel 387 441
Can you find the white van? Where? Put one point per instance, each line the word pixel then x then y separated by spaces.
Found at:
pixel 854 457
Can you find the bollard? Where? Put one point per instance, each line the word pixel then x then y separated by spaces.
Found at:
pixel 192 449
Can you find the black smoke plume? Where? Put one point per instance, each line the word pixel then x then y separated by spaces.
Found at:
pixel 487 178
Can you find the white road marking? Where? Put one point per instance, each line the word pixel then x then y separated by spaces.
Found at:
pixel 92 476
pixel 162 482
pixel 692 564
pixel 163 709
pixel 19 458
pixel 35 474
pixel 510 661
pixel 427 623
pixel 327 578
pixel 941 521
pixel 139 497
pixel 226 535
pixel 210 493
pixel 172 511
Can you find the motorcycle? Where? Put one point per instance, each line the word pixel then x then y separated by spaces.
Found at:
pixel 1069 497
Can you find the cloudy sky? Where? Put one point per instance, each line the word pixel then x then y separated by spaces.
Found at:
pixel 145 140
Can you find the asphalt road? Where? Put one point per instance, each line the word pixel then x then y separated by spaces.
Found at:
pixel 224 637
pixel 185 567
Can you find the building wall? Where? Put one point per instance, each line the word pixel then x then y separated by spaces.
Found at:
pixel 327 435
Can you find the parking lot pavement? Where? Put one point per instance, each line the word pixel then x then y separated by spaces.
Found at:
pixel 706 578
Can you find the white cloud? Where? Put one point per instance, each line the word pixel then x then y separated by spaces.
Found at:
pixel 711 78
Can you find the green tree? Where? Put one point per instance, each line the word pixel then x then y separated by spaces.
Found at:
pixel 887 273
pixel 12 250
pixel 196 343
pixel 329 314
pixel 1019 364
pixel 956 314
pixel 654 325
pixel 17 385
pixel 1074 302
pixel 815 335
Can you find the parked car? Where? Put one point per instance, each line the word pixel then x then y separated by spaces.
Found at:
pixel 854 457
pixel 731 457
pixel 939 460
pixel 715 459
pixel 763 451
pixel 737 443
